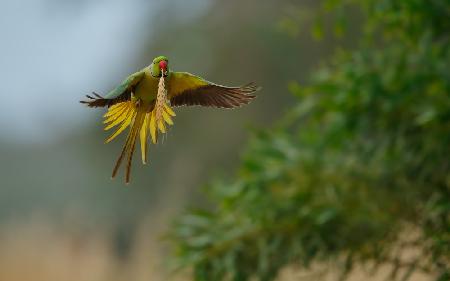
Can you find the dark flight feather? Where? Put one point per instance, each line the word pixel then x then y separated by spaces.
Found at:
pixel 216 96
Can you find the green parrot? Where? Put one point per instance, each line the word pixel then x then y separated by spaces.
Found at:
pixel 144 101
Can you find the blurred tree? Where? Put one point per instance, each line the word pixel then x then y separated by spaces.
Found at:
pixel 356 173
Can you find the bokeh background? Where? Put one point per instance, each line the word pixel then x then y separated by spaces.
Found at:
pixel 61 216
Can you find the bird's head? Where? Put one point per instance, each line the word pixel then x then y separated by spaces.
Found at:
pixel 160 65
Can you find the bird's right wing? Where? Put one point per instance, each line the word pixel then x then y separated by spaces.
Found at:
pixel 119 94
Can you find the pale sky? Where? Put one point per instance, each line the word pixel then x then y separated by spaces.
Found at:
pixel 50 56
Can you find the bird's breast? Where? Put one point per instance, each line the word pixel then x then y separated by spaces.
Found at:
pixel 147 89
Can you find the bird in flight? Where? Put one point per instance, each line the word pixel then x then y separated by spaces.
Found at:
pixel 144 101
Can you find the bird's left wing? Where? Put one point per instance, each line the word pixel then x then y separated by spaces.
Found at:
pixel 187 89
pixel 119 94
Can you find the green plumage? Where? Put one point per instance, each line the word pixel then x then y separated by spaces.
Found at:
pixel 143 102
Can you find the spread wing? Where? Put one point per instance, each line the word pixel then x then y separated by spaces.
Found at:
pixel 188 89
pixel 119 94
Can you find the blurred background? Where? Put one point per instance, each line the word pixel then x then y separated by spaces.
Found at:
pixel 61 216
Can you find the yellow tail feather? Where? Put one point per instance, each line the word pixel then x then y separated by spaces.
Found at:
pixel 120 118
pixel 126 122
pixel 142 121
pixel 169 110
pixel 167 118
pixel 122 110
pixel 144 138
pixel 113 109
pixel 137 122
pixel 153 131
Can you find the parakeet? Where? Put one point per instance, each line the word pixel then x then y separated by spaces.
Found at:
pixel 144 101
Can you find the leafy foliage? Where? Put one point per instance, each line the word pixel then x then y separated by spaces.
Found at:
pixel 357 172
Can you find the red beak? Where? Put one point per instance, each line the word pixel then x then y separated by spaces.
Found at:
pixel 163 65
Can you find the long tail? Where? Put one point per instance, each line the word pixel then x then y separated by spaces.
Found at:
pixel 137 121
pixel 143 122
